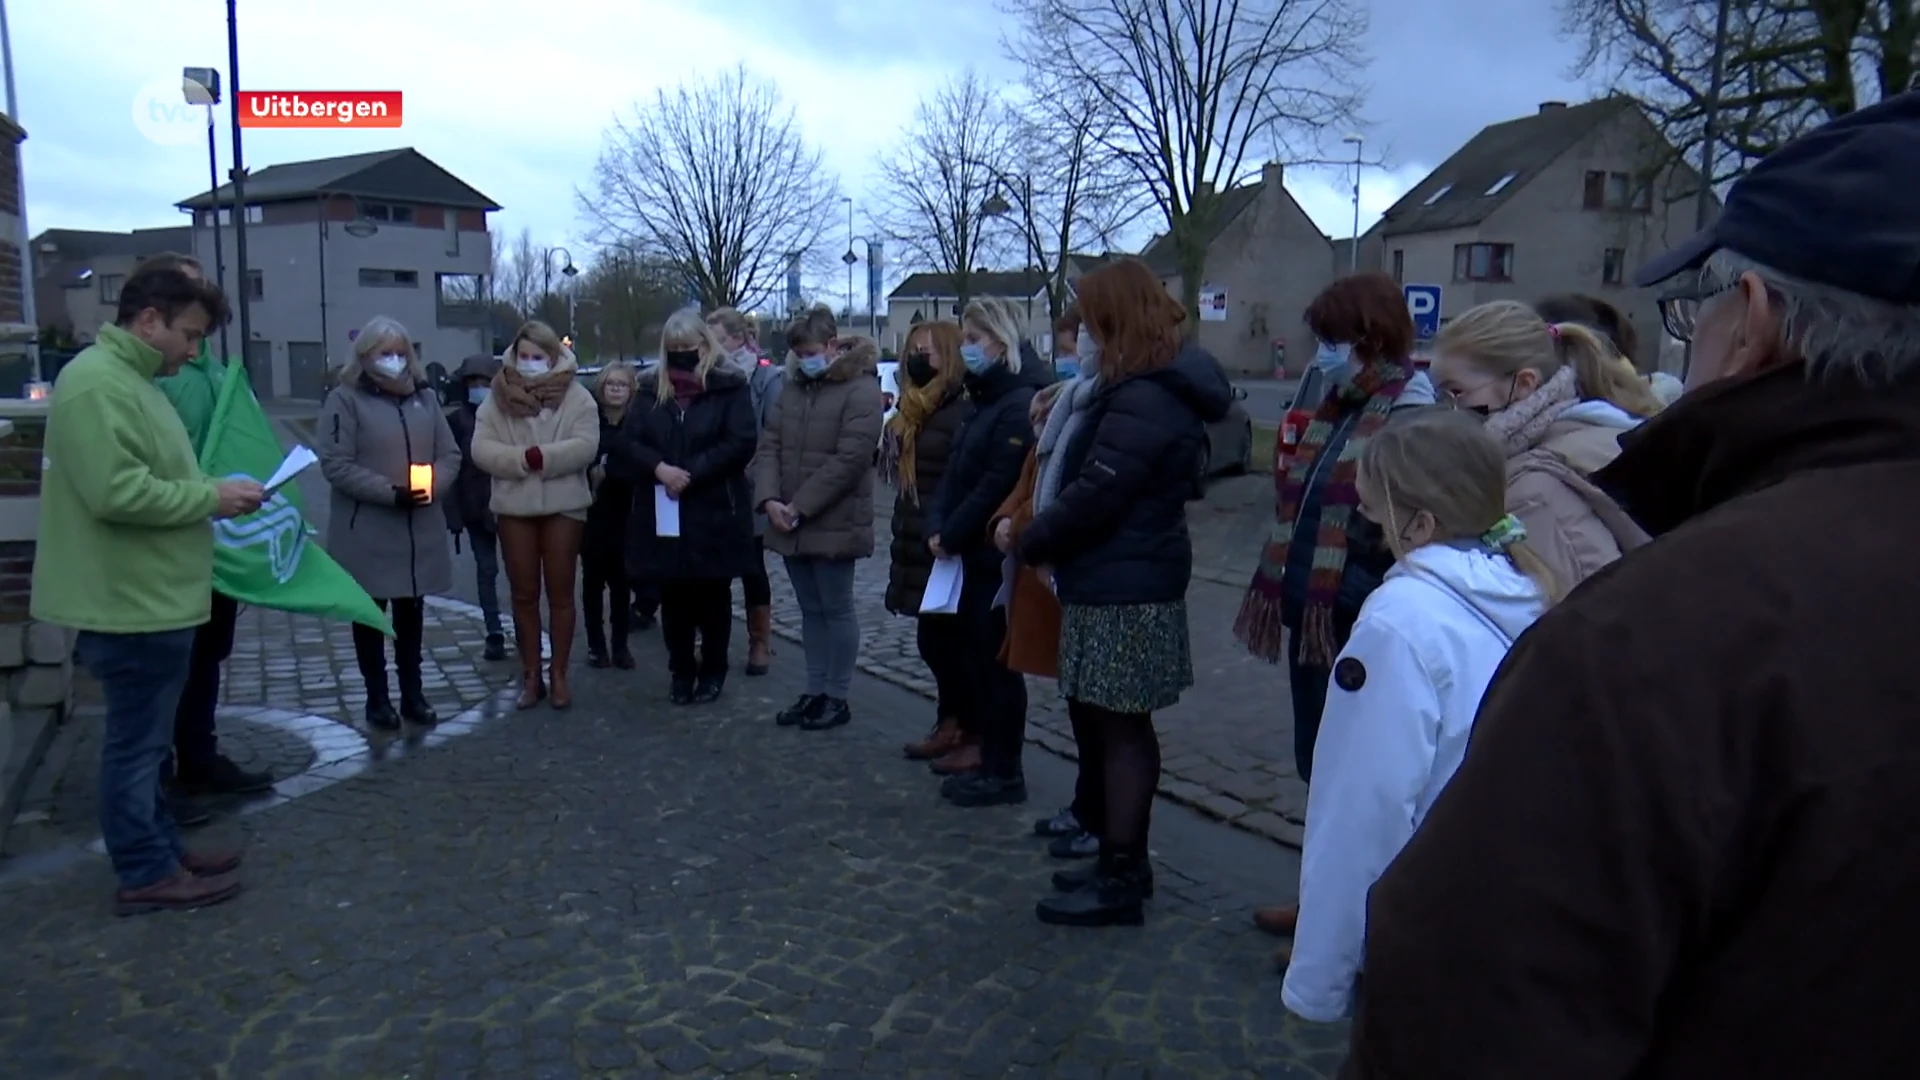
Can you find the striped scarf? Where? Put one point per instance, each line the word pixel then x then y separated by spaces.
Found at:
pixel 1373 391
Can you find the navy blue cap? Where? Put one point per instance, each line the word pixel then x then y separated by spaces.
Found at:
pixel 1836 206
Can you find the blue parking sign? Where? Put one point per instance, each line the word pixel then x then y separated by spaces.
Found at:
pixel 1423 303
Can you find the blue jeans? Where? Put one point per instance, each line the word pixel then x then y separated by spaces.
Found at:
pixel 142 676
pixel 829 624
pixel 486 573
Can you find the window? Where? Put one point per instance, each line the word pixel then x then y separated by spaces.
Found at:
pixel 255 215
pixel 1613 268
pixel 256 285
pixel 1400 266
pixel 458 290
pixel 389 279
pixel 453 232
pixel 1615 191
pixel 1501 184
pixel 1438 195
pixel 388 212
pixel 1483 262
pixel 110 288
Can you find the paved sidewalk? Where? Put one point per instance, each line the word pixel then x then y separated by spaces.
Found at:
pixel 628 890
pixel 1226 748
pixel 292 699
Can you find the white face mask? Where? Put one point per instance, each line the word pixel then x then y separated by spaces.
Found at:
pixel 533 367
pixel 389 366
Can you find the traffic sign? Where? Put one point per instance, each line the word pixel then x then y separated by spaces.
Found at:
pixel 1423 303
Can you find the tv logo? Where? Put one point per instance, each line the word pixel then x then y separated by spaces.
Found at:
pixel 172 112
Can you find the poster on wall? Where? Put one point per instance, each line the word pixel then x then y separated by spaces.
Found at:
pixel 1213 304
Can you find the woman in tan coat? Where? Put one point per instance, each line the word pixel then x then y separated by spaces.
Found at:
pixel 537 434
pixel 1557 396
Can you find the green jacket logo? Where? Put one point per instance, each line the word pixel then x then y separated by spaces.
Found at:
pixel 276 526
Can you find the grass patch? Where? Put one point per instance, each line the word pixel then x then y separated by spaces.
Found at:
pixel 1264 438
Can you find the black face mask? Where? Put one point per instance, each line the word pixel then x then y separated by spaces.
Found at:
pixel 920 369
pixel 683 360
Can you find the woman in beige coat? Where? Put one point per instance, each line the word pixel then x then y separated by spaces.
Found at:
pixel 1557 396
pixel 537 434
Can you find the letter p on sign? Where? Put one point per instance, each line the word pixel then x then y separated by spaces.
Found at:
pixel 1423 303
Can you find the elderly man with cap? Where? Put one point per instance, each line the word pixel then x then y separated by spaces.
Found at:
pixel 468 510
pixel 1683 842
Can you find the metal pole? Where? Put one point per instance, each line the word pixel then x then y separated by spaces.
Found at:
pixel 1703 206
pixel 1353 257
pixel 219 255
pixel 849 262
pixel 241 279
pixel 28 312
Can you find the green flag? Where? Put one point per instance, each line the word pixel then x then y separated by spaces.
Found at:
pixel 266 558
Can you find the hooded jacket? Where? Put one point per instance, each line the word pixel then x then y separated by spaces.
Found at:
pixel 1117 532
pixel 1570 524
pixel 816 455
pixel 1400 706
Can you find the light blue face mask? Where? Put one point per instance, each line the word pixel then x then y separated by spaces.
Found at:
pixel 814 366
pixel 1067 367
pixel 478 394
pixel 975 358
pixel 1331 358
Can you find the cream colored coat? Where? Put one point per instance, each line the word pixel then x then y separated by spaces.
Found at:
pixel 569 441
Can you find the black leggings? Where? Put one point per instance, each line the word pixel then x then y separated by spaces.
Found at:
pixel 370 649
pixel 1119 772
pixel 699 608
pixel 942 640
pixel 606 598
pixel 756 590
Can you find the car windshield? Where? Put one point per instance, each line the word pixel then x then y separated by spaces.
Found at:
pixel 1311 391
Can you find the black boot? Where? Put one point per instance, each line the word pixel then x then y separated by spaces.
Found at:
pixel 1081 877
pixel 1115 897
pixel 370 653
pixel 708 689
pixel 596 641
pixel 985 789
pixel 380 713
pixel 681 690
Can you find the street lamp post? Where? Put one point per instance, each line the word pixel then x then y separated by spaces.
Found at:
pixel 1353 260
pixel 849 258
pixel 873 306
pixel 568 271
pixel 239 219
pixel 997 205
pixel 201 86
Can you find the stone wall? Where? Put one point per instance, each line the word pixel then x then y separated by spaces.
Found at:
pixel 36 659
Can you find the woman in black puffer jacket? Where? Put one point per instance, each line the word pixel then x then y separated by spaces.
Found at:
pixel 914 453
pixel 1117 461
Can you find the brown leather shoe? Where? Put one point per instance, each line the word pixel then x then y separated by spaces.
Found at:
pixel 562 692
pixel 759 640
pixel 963 759
pixel 180 892
pixel 212 862
pixel 1277 920
pixel 944 739
pixel 533 690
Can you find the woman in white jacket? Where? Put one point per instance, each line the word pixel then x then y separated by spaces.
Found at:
pixel 1406 686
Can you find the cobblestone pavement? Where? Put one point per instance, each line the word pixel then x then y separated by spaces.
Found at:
pixel 1227 747
pixel 627 890
pixel 291 699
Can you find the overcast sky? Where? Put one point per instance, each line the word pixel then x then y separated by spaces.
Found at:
pixel 512 97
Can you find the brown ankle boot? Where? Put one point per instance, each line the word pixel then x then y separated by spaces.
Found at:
pixel 533 689
pixel 526 642
pixel 941 741
pixel 759 640
pixel 964 758
pixel 562 692
pixel 560 638
pixel 1277 920
pixel 181 892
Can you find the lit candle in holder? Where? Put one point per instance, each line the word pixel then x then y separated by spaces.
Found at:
pixel 38 391
pixel 420 479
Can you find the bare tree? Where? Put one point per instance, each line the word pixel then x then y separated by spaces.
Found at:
pixel 936 182
pixel 1074 192
pixel 1786 66
pixel 624 301
pixel 716 178
pixel 517 273
pixel 1194 92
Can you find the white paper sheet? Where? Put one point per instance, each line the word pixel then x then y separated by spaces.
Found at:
pixel 943 587
pixel 299 460
pixel 1009 567
pixel 666 512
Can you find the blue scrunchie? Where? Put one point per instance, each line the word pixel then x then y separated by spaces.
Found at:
pixel 1505 533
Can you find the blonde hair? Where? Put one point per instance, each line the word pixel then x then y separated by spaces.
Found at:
pixel 616 368
pixel 732 323
pixel 540 334
pixel 1446 463
pixel 1506 337
pixel 814 326
pixel 685 330
pixel 380 332
pixel 997 318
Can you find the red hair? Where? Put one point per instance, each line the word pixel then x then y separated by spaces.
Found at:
pixel 1367 311
pixel 1124 306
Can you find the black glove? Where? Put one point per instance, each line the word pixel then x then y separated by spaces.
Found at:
pixel 407 499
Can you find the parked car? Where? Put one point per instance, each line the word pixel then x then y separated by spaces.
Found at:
pixel 1229 448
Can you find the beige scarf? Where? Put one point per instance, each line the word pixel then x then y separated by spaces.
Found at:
pixel 520 396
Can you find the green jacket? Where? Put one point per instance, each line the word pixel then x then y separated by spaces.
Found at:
pixel 126 534
pixel 193 391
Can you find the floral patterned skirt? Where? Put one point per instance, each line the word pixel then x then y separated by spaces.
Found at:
pixel 1132 658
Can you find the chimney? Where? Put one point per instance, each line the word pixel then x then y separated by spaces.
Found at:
pixel 1271 174
pixel 1552 106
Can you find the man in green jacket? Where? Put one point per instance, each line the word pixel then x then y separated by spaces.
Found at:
pixel 199 768
pixel 125 556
